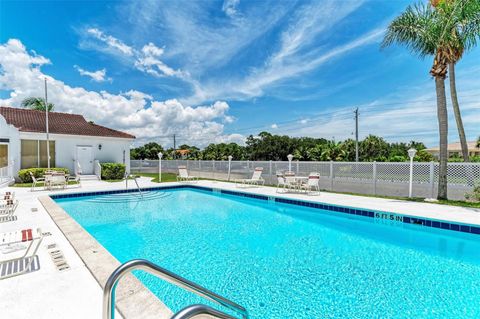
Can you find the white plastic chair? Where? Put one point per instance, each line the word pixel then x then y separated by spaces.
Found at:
pixel 280 182
pixel 290 180
pixel 35 181
pixel 312 183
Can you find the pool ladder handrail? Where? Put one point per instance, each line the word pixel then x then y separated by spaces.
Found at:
pixel 136 183
pixel 162 273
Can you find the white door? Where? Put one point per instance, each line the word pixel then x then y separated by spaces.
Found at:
pixel 85 159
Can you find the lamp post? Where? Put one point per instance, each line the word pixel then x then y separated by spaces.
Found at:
pixel 229 165
pixel 290 158
pixel 160 167
pixel 411 154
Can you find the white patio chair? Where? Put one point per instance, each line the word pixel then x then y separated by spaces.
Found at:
pixel 36 181
pixel 75 179
pixel 256 178
pixel 281 182
pixel 53 180
pixel 290 181
pixel 312 183
pixel 17 241
pixel 183 175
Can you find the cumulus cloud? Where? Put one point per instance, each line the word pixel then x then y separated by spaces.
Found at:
pixel 97 76
pixel 132 111
pixel 274 126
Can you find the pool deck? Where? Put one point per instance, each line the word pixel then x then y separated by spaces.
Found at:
pixel 75 293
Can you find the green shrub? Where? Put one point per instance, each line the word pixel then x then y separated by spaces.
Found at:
pixel 475 195
pixel 112 171
pixel 24 174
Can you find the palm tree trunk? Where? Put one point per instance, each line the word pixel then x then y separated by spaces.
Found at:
pixel 456 111
pixel 443 131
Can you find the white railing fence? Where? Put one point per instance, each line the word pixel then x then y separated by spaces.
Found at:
pixel 375 178
pixel 98 169
pixel 6 175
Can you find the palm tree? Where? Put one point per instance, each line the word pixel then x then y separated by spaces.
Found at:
pixel 465 31
pixel 36 103
pixel 425 32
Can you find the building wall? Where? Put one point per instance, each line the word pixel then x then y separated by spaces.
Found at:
pixel 11 133
pixel 115 150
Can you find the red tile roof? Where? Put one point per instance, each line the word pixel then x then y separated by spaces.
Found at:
pixel 26 120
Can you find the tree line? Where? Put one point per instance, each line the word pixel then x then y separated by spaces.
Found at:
pixel 266 146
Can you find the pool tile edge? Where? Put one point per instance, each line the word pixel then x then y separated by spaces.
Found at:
pixel 133 299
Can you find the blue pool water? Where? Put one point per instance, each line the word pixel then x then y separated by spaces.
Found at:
pixel 284 261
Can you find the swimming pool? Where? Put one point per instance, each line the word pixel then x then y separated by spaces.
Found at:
pixel 286 261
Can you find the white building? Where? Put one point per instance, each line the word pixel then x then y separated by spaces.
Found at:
pixel 74 143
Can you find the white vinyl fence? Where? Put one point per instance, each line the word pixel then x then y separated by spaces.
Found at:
pixel 375 178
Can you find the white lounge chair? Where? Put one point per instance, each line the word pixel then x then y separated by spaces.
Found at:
pixel 312 183
pixel 8 206
pixel 256 178
pixel 7 195
pixel 183 175
pixel 36 181
pixel 13 242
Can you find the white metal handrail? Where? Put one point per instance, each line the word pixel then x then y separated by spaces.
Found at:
pixel 98 169
pixel 145 265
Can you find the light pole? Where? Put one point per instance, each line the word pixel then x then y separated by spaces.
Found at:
pixel 290 158
pixel 411 154
pixel 229 165
pixel 160 167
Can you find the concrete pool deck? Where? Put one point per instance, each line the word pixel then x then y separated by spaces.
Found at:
pixel 75 293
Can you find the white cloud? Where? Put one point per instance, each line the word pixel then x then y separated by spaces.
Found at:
pixel 146 59
pixel 274 126
pixel 296 54
pixel 132 111
pixel 111 41
pixel 230 7
pixel 97 76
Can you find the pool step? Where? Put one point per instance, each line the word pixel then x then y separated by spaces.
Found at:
pixel 128 197
pixel 88 177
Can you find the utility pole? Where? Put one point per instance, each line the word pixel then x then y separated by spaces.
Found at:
pixel 356 134
pixel 46 125
pixel 174 146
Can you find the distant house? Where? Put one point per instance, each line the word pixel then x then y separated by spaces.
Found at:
pixel 74 143
pixel 182 153
pixel 455 149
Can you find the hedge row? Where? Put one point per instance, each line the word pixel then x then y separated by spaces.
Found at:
pixel 112 171
pixel 24 174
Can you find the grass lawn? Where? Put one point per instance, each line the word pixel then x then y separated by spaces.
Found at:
pixel 166 177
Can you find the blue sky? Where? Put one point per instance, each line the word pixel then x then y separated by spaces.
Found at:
pixel 211 71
